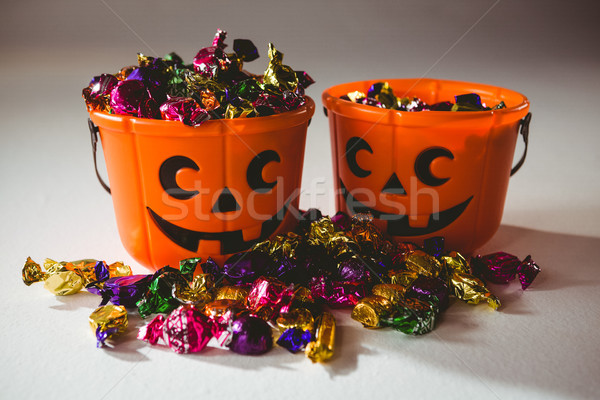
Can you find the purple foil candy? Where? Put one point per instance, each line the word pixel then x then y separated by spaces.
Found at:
pixel 250 335
pixel 187 330
pixel 527 272
pixel 434 245
pixel 127 96
pixel 497 267
pixel 153 331
pixel 246 267
pixel 430 290
pixel 352 269
pixel 101 271
pixel 147 75
pixel 126 290
pixel 294 339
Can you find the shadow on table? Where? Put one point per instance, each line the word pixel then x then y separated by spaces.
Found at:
pixel 542 338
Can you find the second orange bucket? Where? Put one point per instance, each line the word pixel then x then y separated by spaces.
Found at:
pixel 181 192
pixel 428 173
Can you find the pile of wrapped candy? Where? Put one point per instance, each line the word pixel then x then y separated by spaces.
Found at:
pixel 214 86
pixel 381 95
pixel 281 290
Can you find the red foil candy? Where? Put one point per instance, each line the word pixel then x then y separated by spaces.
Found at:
pixel 527 272
pixel 497 267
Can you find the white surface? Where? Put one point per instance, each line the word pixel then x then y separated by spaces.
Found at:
pixel 543 344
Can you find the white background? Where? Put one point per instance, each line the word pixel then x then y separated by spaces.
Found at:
pixel 544 343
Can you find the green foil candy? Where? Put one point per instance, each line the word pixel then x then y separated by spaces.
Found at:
pixel 412 317
pixel 159 297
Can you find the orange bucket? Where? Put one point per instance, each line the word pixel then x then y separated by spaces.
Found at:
pixel 428 173
pixel 181 192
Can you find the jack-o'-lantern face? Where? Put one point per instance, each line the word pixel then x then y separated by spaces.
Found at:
pixel 211 204
pixel 225 203
pixel 412 189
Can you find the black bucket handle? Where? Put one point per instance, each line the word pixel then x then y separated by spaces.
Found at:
pixel 94 136
pixel 524 131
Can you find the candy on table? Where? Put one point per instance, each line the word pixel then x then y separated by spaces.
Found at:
pixel 279 291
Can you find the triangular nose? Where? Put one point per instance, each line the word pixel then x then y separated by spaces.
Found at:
pixel 393 186
pixel 226 202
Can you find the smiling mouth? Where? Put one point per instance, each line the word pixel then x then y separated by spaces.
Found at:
pixel 398 224
pixel 231 241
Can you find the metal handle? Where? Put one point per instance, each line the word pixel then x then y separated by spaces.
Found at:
pixel 524 131
pixel 94 136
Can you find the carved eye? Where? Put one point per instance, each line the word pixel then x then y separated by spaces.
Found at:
pixel 423 165
pixel 255 171
pixel 353 146
pixel 167 175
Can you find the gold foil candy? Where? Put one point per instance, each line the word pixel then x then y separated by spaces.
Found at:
pixel 144 61
pixel 218 308
pixel 245 111
pixel 32 272
pixel 119 269
pixel 296 318
pixel 394 293
pixel 366 234
pixel 197 292
pixel 208 100
pixel 455 262
pixel 124 72
pixel 109 318
pixel 472 290
pixel 386 96
pixel 403 278
pixel 232 293
pixel 321 232
pixel 369 310
pixel 277 74
pixel 354 96
pixel 64 283
pixel 423 264
pixel 322 348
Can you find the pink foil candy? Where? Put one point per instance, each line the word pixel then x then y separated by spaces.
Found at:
pixel 337 294
pixel 153 331
pixel 270 293
pixel 127 96
pixel 185 330
pixel 183 109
